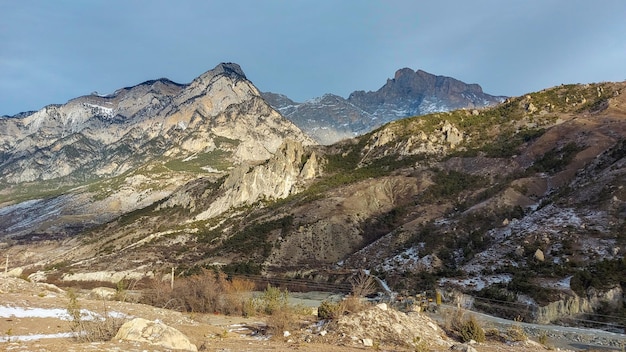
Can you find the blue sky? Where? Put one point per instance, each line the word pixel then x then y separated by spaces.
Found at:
pixel 52 51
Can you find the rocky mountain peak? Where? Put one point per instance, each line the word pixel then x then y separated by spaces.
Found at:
pixel 228 69
pixel 409 93
pixel 113 133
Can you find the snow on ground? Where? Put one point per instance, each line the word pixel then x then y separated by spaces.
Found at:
pixel 102 110
pixel 33 337
pixel 57 313
pixel 559 284
pixel 476 283
pixel 550 222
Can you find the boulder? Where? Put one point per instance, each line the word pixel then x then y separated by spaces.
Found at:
pixel 155 333
pixel 105 293
pixel 539 255
pixel 463 348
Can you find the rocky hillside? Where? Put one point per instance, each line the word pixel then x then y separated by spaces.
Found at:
pixel 521 204
pixel 331 118
pixel 98 157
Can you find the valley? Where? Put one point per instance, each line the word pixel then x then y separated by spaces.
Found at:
pixel 522 202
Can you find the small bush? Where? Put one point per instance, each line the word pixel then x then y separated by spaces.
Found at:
pixel 516 333
pixel 283 319
pixel 362 285
pixel 273 299
pixel 471 330
pixel 465 329
pixel 329 310
pixel 543 338
pixel 349 305
pixel 353 304
pixel 96 328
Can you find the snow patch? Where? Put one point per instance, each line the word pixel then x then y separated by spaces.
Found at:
pixel 33 337
pixel 100 110
pixel 476 283
pixel 56 313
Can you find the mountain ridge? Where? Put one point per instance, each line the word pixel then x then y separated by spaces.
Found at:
pixel 506 202
pixel 330 118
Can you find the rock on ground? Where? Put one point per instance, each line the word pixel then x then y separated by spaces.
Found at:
pixel 155 333
pixel 390 326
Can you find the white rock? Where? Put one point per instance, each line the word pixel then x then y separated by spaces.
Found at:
pixel 382 306
pixel 368 342
pixel 154 333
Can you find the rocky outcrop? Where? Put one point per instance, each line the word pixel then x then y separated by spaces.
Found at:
pixel 574 305
pixel 393 139
pixel 155 333
pixel 275 179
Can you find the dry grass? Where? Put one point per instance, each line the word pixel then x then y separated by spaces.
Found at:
pixel 207 292
pixel 91 328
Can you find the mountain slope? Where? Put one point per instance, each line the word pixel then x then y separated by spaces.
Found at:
pixel 331 118
pixel 522 203
pixel 133 147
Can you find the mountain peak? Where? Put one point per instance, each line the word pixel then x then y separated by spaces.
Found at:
pixel 404 72
pixel 230 69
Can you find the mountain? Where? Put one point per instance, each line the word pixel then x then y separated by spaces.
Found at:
pixel 102 156
pixel 331 118
pixel 522 203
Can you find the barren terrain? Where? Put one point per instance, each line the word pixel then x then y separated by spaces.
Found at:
pixel 33 317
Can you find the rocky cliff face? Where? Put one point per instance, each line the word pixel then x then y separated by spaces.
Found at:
pixel 410 93
pixel 574 305
pixel 246 184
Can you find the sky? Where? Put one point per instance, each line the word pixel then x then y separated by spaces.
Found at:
pixel 53 51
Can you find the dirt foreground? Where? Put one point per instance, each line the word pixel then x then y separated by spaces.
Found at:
pixel 34 317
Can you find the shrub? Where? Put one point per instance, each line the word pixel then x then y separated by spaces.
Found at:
pixel 283 319
pixel 206 292
pixel 465 329
pixel 96 328
pixel 349 305
pixel 362 285
pixel 471 330
pixel 516 332
pixel 329 310
pixel 272 300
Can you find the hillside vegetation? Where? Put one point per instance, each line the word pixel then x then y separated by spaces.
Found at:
pixel 521 202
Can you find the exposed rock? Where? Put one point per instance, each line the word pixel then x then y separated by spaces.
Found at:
pixel 108 276
pixel 105 293
pixel 38 276
pixel 451 134
pixel 539 255
pixel 574 304
pixel 154 333
pixel 219 116
pixel 393 327
pixel 275 179
pixel 463 348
